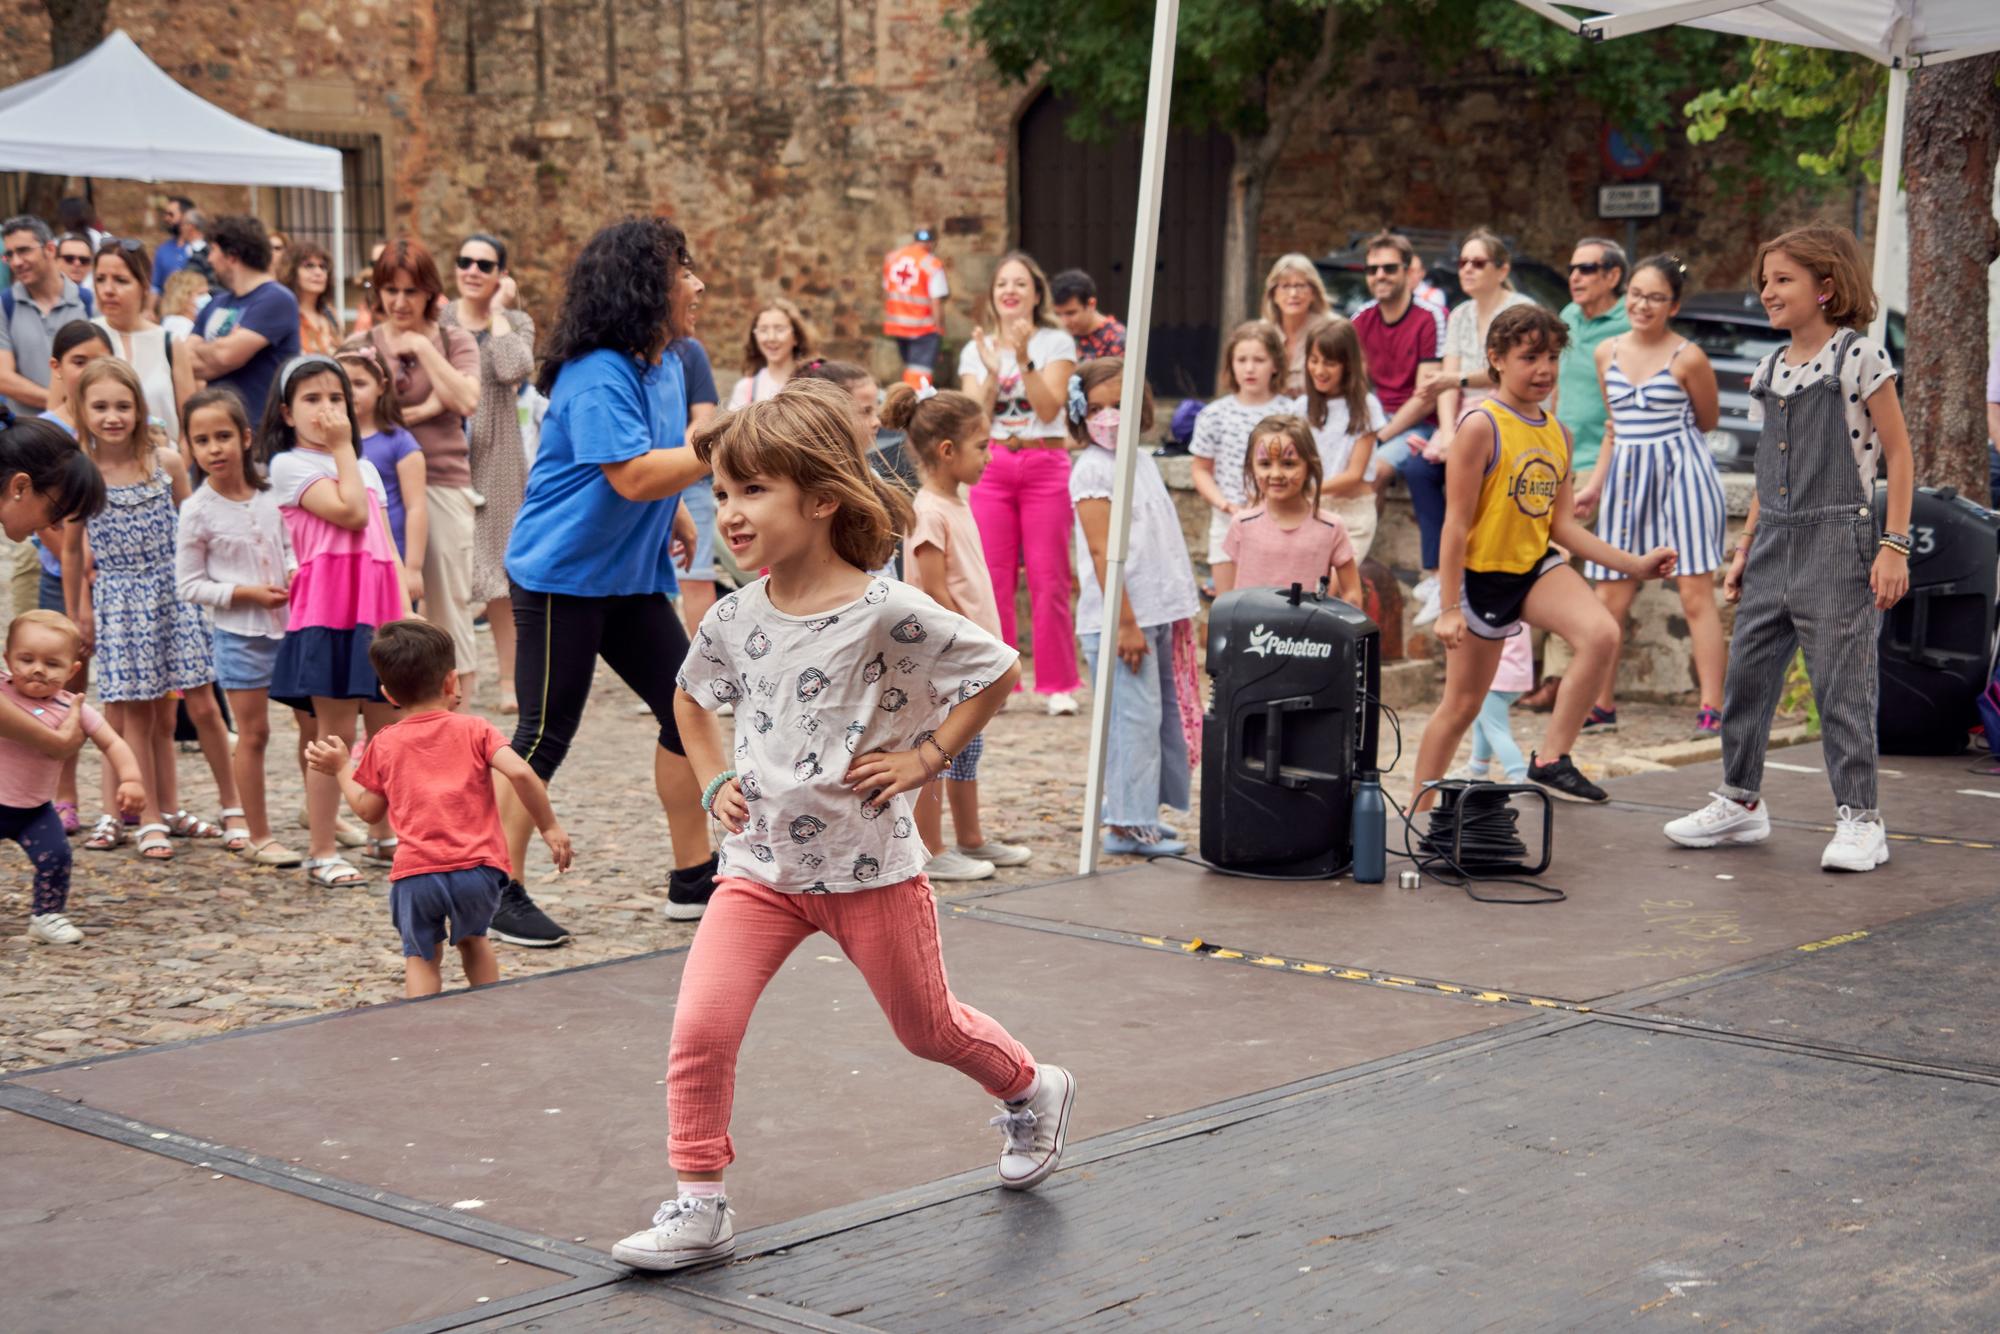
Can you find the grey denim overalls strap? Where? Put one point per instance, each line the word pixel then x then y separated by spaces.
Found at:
pixel 1806 586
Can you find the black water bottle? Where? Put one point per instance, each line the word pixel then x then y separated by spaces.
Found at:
pixel 1371 829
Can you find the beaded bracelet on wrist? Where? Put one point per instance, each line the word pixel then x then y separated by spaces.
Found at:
pixel 714 786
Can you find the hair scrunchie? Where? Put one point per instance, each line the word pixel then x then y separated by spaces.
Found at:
pixel 1079 407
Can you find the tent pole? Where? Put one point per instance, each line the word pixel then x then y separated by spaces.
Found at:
pixel 1138 327
pixel 1892 176
pixel 340 259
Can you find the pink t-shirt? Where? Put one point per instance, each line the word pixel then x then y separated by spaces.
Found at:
pixel 949 526
pixel 28 777
pixel 1268 555
pixel 436 771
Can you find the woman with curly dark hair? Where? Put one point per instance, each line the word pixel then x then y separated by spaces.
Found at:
pixel 589 561
pixel 308 270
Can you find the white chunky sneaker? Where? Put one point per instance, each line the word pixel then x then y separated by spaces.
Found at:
pixel 1858 845
pixel 52 928
pixel 1722 823
pixel 1000 854
pixel 951 864
pixel 1062 704
pixel 1036 1129
pixel 692 1230
pixel 1429 606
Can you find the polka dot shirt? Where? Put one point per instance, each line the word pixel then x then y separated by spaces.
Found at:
pixel 1864 368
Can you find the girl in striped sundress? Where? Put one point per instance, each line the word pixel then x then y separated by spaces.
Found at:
pixel 1656 476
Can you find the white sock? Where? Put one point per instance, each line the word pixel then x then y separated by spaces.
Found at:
pixel 700 1190
pixel 1028 1094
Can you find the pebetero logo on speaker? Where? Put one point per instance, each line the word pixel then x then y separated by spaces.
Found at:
pixel 1269 643
pixel 1537 478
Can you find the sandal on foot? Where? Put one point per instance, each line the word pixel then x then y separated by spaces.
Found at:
pixel 106 834
pixel 381 850
pixel 182 825
pixel 71 822
pixel 272 853
pixel 334 872
pixel 235 840
pixel 345 832
pixel 155 845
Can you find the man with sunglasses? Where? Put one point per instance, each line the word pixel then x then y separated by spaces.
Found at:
pixel 1401 338
pixel 1597 272
pixel 42 300
pixel 74 254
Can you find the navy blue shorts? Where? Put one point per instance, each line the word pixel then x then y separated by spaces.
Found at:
pixel 422 904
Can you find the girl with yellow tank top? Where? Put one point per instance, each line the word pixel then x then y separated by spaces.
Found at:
pixel 1508 504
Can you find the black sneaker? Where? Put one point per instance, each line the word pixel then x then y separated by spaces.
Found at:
pixel 1599 722
pixel 519 922
pixel 1560 778
pixel 688 890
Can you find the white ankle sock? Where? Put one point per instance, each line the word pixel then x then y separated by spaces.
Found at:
pixel 1028 1094
pixel 700 1189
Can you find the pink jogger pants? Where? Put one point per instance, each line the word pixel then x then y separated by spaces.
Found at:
pixel 890 933
pixel 1022 506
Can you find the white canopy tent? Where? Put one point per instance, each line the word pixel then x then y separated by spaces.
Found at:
pixel 1902 34
pixel 115 113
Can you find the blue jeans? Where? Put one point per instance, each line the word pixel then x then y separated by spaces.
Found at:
pixel 1146 755
pixel 1493 736
pixel 1426 482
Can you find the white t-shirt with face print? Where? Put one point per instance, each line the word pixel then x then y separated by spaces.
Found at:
pixel 1013 415
pixel 813 692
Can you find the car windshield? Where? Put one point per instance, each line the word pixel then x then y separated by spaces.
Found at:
pixel 1729 340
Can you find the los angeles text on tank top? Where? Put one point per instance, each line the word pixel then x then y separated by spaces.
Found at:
pixel 1517 501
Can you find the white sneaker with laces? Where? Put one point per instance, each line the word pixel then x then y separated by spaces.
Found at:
pixel 1722 823
pixel 692 1230
pixel 1858 845
pixel 954 865
pixel 1036 1130
pixel 1429 608
pixel 1062 704
pixel 1000 854
pixel 52 928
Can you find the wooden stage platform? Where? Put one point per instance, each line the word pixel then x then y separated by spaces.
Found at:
pixel 1720 1088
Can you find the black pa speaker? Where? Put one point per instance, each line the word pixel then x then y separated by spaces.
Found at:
pixel 1292 718
pixel 1937 644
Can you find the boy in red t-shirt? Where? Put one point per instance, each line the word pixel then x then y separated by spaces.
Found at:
pixel 432 772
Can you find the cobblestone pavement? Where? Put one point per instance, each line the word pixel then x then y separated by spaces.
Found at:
pixel 207 942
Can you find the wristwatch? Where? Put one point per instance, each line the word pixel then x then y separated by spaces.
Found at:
pixel 1464 380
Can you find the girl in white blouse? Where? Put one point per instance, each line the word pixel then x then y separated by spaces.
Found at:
pixel 232 556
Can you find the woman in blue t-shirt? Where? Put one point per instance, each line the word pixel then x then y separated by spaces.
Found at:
pixel 589 560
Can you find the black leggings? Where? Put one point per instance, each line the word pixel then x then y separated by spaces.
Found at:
pixel 558 640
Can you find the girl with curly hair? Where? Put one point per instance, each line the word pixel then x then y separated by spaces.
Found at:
pixel 589 562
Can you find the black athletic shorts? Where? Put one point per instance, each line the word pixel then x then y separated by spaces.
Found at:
pixel 1492 599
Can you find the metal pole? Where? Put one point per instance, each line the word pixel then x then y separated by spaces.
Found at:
pixel 1892 177
pixel 1138 325
pixel 340 259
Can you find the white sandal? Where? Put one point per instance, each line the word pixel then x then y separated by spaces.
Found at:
pixel 334 872
pixel 382 851
pixel 156 843
pixel 235 840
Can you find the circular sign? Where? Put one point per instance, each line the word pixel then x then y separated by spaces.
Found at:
pixel 1628 153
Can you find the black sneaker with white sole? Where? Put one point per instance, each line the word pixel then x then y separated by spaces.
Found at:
pixel 1560 778
pixel 688 891
pixel 519 922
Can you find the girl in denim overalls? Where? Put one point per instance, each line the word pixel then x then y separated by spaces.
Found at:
pixel 1812 570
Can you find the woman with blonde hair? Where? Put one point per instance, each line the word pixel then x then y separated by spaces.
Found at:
pixel 779 342
pixel 1483 268
pixel 1294 297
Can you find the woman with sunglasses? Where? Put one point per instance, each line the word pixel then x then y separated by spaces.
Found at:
pixel 124 278
pixel 436 369
pixel 1483 268
pixel 488 309
pixel 1294 300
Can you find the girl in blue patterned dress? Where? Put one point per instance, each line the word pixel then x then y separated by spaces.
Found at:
pixel 146 641
pixel 1662 488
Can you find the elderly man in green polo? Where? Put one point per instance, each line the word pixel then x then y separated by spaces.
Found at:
pixel 1597 272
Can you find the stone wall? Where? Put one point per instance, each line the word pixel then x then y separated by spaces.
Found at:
pixel 797 144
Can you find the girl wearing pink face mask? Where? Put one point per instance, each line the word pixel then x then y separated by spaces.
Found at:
pixel 1156 689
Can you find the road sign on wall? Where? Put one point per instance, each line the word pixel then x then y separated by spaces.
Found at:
pixel 1628 201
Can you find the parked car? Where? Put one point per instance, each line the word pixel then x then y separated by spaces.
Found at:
pixel 1344 271
pixel 1732 328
